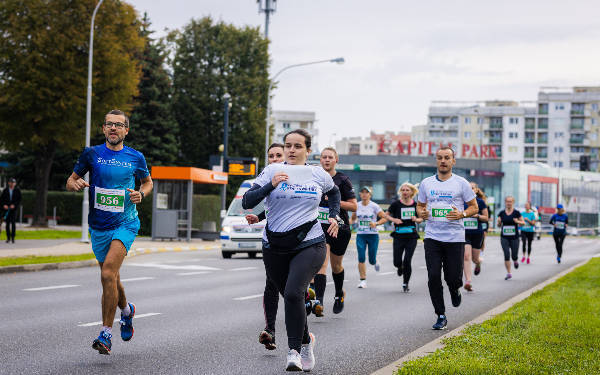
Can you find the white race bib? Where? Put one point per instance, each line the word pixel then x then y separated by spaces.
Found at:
pixel 470 223
pixel 111 200
pixel 407 212
pixel 560 224
pixel 509 230
pixel 323 215
pixel 364 225
pixel 439 210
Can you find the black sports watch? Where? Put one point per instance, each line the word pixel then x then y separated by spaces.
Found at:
pixel 143 195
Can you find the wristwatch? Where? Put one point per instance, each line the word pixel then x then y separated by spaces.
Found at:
pixel 464 214
pixel 142 193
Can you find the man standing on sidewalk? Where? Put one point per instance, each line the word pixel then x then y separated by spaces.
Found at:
pixel 113 217
pixel 440 202
pixel 10 201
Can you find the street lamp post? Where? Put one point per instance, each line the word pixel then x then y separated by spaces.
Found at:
pixel 339 60
pixel 88 125
pixel 226 97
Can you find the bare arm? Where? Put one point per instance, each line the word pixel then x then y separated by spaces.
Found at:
pixel 349 205
pixel 353 218
pixel 382 218
pixel 76 183
pixel 146 187
pixel 483 216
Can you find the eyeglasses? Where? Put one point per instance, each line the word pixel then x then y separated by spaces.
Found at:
pixel 118 125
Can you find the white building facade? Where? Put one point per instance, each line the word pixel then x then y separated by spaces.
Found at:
pixel 286 121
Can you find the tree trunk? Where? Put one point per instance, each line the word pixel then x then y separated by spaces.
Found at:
pixel 43 165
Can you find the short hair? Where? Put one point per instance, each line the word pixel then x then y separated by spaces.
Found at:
pixel 302 132
pixel 332 150
pixel 273 145
pixel 119 113
pixel 412 188
pixel 446 148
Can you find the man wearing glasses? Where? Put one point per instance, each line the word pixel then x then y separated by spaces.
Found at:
pixel 113 216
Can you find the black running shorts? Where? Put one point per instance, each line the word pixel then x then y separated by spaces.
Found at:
pixel 474 239
pixel 338 245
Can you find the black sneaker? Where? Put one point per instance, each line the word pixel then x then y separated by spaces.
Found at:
pixel 456 297
pixel 317 308
pixel 441 323
pixel 405 288
pixel 267 339
pixel 399 271
pixel 338 303
pixel 516 264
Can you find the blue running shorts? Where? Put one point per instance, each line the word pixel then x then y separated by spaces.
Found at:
pixel 125 233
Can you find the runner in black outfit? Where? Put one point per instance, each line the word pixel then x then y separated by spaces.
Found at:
pixel 474 237
pixel 509 220
pixel 293 242
pixel 336 247
pixel 402 212
pixel 271 295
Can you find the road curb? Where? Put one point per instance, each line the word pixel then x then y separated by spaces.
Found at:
pixel 48 266
pixel 436 344
pixel 93 262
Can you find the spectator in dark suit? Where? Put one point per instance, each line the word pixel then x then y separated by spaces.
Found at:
pixel 10 201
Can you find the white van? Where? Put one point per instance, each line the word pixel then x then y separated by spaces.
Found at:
pixel 237 236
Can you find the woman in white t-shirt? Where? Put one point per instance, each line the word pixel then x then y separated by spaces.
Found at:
pixel 293 240
pixel 366 216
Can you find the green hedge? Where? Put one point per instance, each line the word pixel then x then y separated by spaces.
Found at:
pixel 68 208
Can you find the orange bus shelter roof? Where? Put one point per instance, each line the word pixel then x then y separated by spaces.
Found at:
pixel 197 175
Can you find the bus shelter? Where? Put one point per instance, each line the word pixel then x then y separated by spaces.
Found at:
pixel 173 197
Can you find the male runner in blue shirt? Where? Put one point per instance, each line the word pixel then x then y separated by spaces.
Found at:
pixel 113 216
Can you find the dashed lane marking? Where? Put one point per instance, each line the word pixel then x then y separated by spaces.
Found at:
pixel 50 287
pixel 248 297
pixel 192 273
pixel 189 267
pixel 386 273
pixel 243 269
pixel 137 316
pixel 137 279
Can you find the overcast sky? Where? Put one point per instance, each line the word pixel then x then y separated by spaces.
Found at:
pixel 401 55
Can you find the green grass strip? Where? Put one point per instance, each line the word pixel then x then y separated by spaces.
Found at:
pixel 18 261
pixel 554 331
pixel 42 234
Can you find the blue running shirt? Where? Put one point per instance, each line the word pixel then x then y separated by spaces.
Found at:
pixel 111 174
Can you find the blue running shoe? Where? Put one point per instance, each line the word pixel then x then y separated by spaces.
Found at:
pixel 103 344
pixel 441 323
pixel 127 324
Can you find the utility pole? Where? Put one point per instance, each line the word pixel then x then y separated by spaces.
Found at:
pixel 267 7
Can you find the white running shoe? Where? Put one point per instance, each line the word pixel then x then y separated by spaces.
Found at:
pixel 377 267
pixel 294 362
pixel 307 354
pixel 362 284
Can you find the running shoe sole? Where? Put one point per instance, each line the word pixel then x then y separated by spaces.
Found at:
pixel 318 310
pixel 293 367
pixel 440 329
pixel 266 339
pixel 100 347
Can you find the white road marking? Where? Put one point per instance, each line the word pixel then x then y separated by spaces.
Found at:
pixel 596 256
pixel 50 287
pixel 190 267
pixel 192 273
pixel 248 297
pixel 243 269
pixel 386 273
pixel 137 279
pixel 116 320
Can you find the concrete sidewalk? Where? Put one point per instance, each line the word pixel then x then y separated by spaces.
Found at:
pixel 143 245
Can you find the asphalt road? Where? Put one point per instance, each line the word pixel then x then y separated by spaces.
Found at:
pixel 200 314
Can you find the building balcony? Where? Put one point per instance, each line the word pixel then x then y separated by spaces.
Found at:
pixel 529 155
pixel 576 126
pixel 577 112
pixel 543 125
pixel 530 125
pixel 576 141
pixel 542 155
pixel 495 125
pixel 495 139
pixel 542 141
pixel 529 140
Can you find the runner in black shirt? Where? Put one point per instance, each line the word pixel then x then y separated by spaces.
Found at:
pixel 336 247
pixel 509 220
pixel 402 212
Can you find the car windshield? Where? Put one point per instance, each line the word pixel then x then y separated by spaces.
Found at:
pixel 236 209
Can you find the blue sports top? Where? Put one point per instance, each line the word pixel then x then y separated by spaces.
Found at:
pixel 111 174
pixel 559 222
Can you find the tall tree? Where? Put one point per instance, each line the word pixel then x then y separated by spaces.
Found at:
pixel 43 75
pixel 154 130
pixel 212 59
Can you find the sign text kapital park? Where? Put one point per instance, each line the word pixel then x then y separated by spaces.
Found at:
pixel 414 148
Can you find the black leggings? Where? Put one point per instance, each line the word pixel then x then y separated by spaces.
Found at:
pixel 510 246
pixel 559 239
pixel 447 256
pixel 527 238
pixel 270 304
pixel 407 247
pixel 291 274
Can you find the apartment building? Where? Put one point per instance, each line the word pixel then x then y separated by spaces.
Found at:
pixel 285 121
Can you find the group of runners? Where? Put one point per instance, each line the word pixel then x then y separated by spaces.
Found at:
pixel 308 228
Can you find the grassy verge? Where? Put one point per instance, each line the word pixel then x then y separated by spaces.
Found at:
pixel 43 234
pixel 18 261
pixel 554 331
